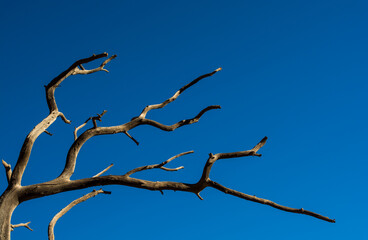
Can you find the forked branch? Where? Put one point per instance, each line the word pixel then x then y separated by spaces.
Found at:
pixel 25 152
pixel 160 166
pixel 26 225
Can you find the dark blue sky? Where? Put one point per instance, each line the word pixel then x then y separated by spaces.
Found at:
pixel 295 71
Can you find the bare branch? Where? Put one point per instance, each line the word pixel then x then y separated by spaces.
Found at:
pixel 50 88
pixel 98 117
pixel 26 225
pixel 267 202
pixel 214 157
pixel 8 170
pixel 161 165
pixel 136 142
pixel 103 171
pixel 176 95
pixel 62 116
pixel 47 132
pixel 70 206
pixel 100 68
pixel 181 123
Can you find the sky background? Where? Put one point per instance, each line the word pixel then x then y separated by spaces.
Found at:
pixel 295 71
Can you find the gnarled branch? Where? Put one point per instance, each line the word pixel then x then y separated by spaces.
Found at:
pixel 26 149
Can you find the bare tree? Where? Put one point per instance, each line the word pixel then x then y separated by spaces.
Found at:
pixel 15 193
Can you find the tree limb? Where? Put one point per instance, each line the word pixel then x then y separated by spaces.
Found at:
pixel 176 95
pixel 267 202
pixel 70 206
pixel 26 225
pixel 124 128
pixel 54 187
pixel 181 123
pixel 103 171
pixel 161 165
pixel 8 170
pixel 26 149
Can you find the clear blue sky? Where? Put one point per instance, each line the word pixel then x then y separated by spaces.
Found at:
pixel 295 71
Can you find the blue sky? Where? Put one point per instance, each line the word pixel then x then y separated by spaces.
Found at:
pixel 295 71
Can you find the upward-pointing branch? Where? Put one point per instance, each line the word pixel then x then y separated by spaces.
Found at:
pixel 176 95
pixel 25 152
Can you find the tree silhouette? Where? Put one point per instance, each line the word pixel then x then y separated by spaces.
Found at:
pixel 15 193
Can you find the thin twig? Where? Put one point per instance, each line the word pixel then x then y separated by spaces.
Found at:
pixel 26 225
pixel 8 170
pixel 103 171
pixel 161 165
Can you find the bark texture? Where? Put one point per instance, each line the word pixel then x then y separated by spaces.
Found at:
pixel 16 193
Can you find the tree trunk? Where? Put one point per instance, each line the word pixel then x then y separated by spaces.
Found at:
pixel 8 203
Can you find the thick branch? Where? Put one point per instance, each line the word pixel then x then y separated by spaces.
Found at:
pixel 26 225
pixel 70 206
pixel 161 165
pixel 176 95
pixel 8 170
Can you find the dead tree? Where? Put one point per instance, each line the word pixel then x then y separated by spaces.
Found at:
pixel 15 193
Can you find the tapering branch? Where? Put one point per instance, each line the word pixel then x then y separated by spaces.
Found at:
pixel 161 165
pixel 176 95
pixel 47 132
pixel 82 70
pixel 70 206
pixel 26 225
pixel 8 170
pixel 267 202
pixel 103 171
pixel 134 140
pixel 181 123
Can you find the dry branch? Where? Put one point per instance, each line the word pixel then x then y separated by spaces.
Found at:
pixel 8 170
pixel 70 206
pixel 26 225
pixel 176 95
pixel 16 193
pixel 103 171
pixel 160 166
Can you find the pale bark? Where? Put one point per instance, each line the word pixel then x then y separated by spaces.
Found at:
pixel 16 193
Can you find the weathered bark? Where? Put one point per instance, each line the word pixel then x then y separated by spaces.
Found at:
pixel 8 203
pixel 16 193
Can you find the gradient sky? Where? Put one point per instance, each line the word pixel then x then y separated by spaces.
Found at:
pixel 295 71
